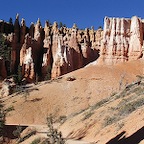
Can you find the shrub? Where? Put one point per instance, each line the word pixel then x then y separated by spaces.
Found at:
pixel 88 115
pixel 62 119
pixel 2 122
pixel 128 108
pixel 26 94
pixel 36 141
pixel 109 120
pixel 9 109
pixel 5 51
pixel 53 135
pixel 17 132
pixel 48 74
pixel 99 104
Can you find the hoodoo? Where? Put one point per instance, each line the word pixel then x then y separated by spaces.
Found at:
pixel 56 51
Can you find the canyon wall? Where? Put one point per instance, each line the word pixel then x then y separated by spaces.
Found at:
pixel 52 51
pixel 122 40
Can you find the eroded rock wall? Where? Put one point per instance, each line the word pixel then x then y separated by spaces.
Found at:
pixel 52 51
pixel 122 40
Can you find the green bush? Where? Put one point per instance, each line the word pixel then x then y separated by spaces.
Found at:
pixel 5 51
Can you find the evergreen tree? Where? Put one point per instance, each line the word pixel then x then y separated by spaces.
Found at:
pixel 2 123
pixel 17 132
pixel 5 51
pixel 19 77
pixel 60 24
pixel 100 27
pixel 10 21
pixel 54 137
pixel 48 74
pixel 49 22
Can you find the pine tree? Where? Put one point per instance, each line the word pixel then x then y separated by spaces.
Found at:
pixel 5 51
pixel 2 123
pixel 48 74
pixel 60 24
pixel 10 21
pixel 17 132
pixel 54 137
pixel 19 75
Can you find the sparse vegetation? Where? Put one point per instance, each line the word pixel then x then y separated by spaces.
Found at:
pixel 109 120
pixel 129 100
pixel 127 108
pixel 132 99
pixel 48 74
pixel 9 109
pixel 87 115
pixel 22 90
pixel 100 27
pixel 10 21
pixel 121 81
pixel 19 75
pixel 99 104
pixel 31 133
pixel 17 133
pixel 61 25
pixel 5 51
pixel 120 125
pixel 26 94
pixel 2 123
pixel 113 94
pixel 62 119
pixel 36 141
pixel 54 137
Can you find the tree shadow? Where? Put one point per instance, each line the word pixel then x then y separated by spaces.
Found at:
pixel 133 139
pixel 9 129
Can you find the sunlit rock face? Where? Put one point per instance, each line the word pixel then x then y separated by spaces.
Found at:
pixel 71 49
pixel 26 59
pixel 56 51
pixel 53 50
pixel 122 40
pixel 136 39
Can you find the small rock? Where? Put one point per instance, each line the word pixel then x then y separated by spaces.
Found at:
pixel 70 78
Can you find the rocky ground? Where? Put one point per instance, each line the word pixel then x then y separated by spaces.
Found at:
pixel 93 104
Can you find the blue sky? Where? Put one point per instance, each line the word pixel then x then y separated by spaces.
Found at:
pixel 85 13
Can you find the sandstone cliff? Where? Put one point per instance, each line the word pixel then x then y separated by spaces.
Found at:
pixel 52 51
pixel 122 40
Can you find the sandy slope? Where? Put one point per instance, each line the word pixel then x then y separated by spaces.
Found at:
pixel 65 98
